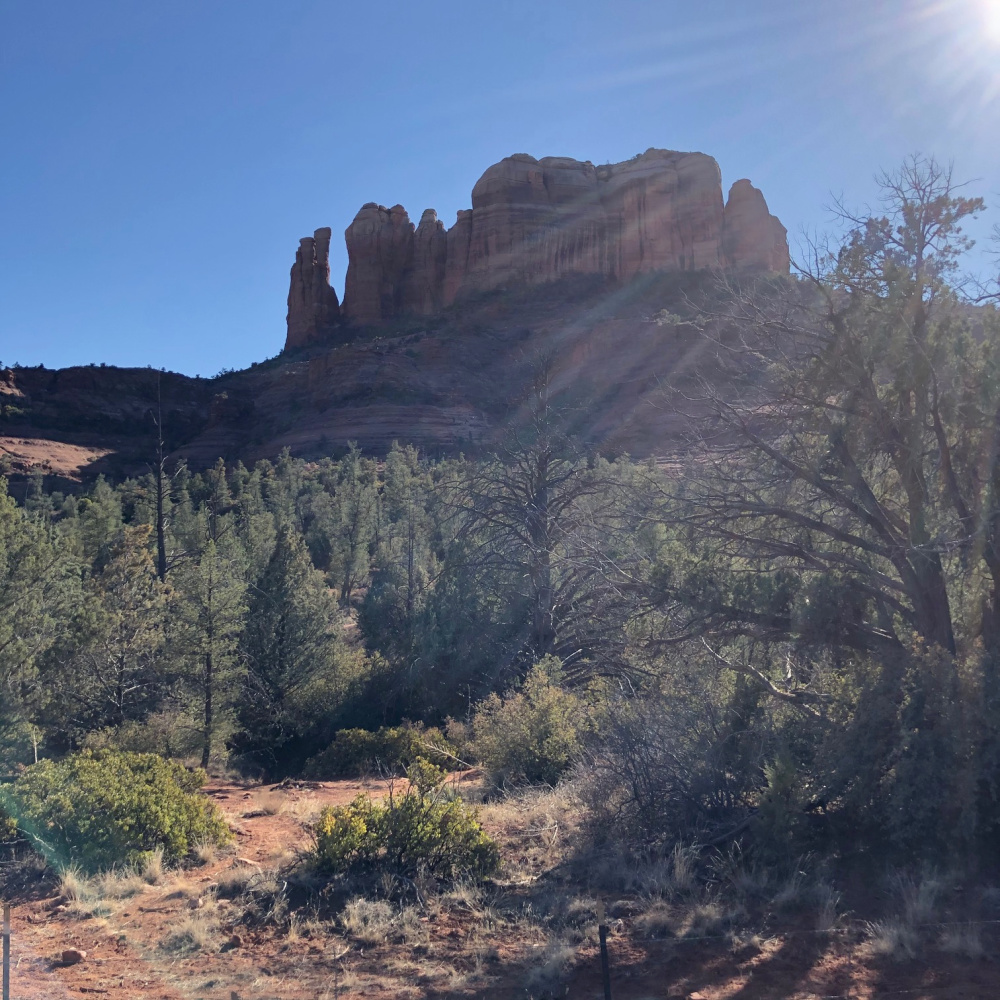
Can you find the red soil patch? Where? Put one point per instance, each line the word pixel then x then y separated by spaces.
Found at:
pixel 55 458
pixel 456 957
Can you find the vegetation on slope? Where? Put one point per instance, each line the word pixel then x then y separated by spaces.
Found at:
pixel 783 642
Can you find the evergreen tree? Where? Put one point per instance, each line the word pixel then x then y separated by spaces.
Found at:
pixel 290 646
pixel 110 665
pixel 210 612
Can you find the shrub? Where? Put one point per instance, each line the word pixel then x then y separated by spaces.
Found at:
pixel 532 735
pixel 19 742
pixel 106 808
pixel 424 829
pixel 390 749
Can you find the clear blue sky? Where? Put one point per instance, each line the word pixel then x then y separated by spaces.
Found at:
pixel 161 160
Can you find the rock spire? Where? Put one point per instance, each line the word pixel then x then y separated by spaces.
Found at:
pixel 313 309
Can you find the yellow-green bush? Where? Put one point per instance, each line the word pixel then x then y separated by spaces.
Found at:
pixel 389 749
pixel 423 829
pixel 98 809
pixel 532 735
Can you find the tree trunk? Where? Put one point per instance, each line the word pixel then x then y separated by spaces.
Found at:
pixel 206 747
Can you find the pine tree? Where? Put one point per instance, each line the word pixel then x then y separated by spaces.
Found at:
pixel 211 610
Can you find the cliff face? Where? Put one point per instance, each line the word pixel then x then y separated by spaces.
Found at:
pixel 313 308
pixel 533 221
pixel 752 236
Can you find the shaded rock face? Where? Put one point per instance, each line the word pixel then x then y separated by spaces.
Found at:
pixel 313 308
pixel 753 236
pixel 533 221
pixel 380 253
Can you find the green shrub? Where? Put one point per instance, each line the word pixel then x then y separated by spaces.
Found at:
pixel 390 749
pixel 532 735
pixel 424 829
pixel 19 742
pixel 8 827
pixel 98 809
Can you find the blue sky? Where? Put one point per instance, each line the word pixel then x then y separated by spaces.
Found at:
pixel 161 160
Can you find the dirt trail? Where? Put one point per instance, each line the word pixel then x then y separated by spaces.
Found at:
pixel 125 953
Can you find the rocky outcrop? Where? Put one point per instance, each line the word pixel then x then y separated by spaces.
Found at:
pixel 423 284
pixel 752 236
pixel 313 309
pixel 379 261
pixel 534 221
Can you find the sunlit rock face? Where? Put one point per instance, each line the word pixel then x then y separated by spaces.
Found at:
pixel 533 221
pixel 313 308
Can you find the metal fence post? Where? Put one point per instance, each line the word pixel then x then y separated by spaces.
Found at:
pixel 6 951
pixel 605 964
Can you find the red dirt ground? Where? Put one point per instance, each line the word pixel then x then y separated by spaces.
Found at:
pixel 53 457
pixel 126 960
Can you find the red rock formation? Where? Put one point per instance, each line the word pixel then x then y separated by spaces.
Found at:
pixel 313 308
pixel 533 221
pixel 423 284
pixel 753 238
pixel 457 260
pixel 380 256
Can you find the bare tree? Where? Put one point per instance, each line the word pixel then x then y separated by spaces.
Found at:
pixel 844 457
pixel 544 514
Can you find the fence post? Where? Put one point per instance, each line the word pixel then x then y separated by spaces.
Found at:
pixel 6 951
pixel 602 931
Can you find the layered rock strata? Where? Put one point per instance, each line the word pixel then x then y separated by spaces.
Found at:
pixel 313 308
pixel 533 221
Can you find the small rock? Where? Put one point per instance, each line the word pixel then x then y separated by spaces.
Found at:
pixel 73 956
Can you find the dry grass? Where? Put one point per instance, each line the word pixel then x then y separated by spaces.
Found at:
pixel 89 898
pixel 965 941
pixel 305 928
pixel 918 898
pixel 898 937
pixel 671 877
pixel 74 885
pixel 266 803
pixel 548 970
pixel 827 901
pixel 154 868
pixel 535 829
pixel 375 921
pixel 122 884
pixel 198 931
pixel 657 922
pixel 893 938
pixel 205 852
pixel 183 888
pixel 233 881
pixel 708 920
pixel 368 921
pixel 304 810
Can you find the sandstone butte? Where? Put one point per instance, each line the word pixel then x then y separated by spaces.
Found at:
pixel 533 221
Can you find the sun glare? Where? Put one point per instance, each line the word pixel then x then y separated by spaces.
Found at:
pixel 991 20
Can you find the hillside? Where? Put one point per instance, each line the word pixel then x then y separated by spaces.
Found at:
pixel 445 383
